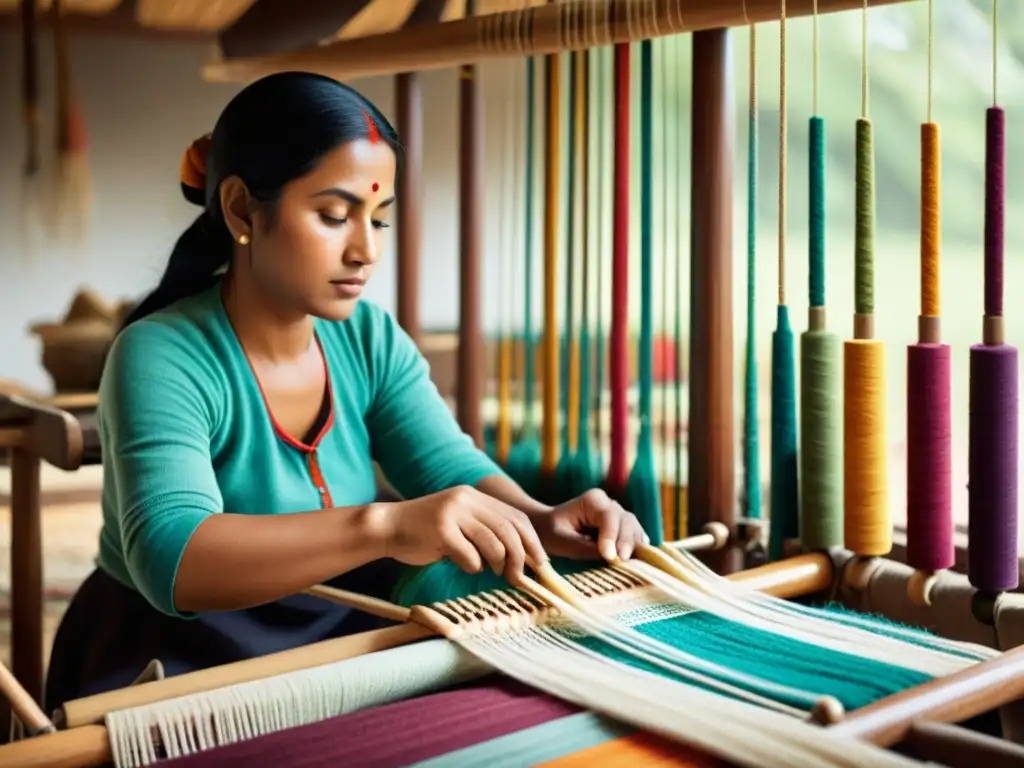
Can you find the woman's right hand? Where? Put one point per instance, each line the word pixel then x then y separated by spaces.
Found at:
pixel 468 527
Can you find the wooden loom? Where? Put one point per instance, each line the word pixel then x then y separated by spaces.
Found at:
pixel 867 583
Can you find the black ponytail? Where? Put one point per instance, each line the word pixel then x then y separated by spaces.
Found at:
pixel 273 132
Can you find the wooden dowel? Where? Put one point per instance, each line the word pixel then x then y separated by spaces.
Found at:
pixel 950 699
pixel 540 30
pixel 92 709
pixel 957 747
pixel 22 704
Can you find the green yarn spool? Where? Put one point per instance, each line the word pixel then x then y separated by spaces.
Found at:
pixel 785 516
pixel 821 440
pixel 864 266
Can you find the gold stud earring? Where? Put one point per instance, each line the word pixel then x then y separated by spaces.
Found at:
pixel 243 239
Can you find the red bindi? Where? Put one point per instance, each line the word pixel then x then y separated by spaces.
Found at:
pixel 374 134
pixel 375 186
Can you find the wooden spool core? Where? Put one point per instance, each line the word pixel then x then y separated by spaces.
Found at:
pixel 993 332
pixel 816 318
pixel 863 326
pixel 929 329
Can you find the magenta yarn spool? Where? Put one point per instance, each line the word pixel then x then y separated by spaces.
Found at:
pixel 992 562
pixel 929 458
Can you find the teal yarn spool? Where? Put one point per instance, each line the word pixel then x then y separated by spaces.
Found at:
pixel 785 520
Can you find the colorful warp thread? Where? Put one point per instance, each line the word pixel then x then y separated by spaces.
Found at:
pixel 929 370
pixel 994 409
pixel 618 374
pixel 751 442
pixel 821 448
pixel 785 514
pixel 866 526
pixel 643 490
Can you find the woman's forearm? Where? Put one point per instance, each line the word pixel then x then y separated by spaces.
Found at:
pixel 503 489
pixel 239 561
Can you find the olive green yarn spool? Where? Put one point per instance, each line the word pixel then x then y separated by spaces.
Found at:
pixel 821 440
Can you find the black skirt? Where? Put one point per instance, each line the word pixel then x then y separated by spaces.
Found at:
pixel 110 633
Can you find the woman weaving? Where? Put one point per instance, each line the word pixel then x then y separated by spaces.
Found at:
pixel 247 396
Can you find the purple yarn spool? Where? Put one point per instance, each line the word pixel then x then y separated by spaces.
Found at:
pixel 992 563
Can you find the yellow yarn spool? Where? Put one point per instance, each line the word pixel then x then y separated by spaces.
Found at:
pixel 867 524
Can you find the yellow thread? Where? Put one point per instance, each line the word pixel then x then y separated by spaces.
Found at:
pixel 930 229
pixel 867 528
pixel 864 60
pixel 782 156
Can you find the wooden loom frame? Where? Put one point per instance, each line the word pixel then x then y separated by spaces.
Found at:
pixel 711 484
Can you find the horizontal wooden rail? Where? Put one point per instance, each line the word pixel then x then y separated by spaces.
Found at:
pixel 538 30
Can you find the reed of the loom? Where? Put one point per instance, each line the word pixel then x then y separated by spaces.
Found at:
pixel 83 742
pixel 994 396
pixel 929 372
pixel 821 447
pixel 867 530
pixel 785 516
pixel 618 375
pixel 642 490
pixel 752 504
pixel 539 30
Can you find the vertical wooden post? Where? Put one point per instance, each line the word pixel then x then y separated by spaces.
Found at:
pixel 470 382
pixel 712 481
pixel 409 109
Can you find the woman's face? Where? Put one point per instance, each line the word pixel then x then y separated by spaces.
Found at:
pixel 321 243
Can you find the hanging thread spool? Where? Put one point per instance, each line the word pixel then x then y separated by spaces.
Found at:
pixel 821 448
pixel 866 527
pixel 929 371
pixel 785 515
pixel 994 411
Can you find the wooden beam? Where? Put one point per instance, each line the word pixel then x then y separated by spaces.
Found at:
pixel 409 109
pixel 712 483
pixel 538 30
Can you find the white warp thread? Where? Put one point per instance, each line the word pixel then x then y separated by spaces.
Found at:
pixel 190 724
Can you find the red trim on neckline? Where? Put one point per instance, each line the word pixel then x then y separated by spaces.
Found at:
pixel 328 422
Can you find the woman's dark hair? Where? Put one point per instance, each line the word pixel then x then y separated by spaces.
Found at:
pixel 274 131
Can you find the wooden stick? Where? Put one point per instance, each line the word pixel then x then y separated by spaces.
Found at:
pixel 958 747
pixel 953 698
pixel 23 706
pixel 540 30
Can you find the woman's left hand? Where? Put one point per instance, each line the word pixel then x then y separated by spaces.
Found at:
pixel 569 530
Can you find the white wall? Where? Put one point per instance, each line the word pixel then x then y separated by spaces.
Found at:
pixel 144 101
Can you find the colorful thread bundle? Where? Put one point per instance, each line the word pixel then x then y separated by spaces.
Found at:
pixel 785 515
pixel 994 409
pixel 929 382
pixel 821 448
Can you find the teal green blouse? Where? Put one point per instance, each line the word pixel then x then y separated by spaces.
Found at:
pixel 186 434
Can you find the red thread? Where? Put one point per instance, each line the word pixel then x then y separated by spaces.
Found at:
pixel 374 135
pixel 375 186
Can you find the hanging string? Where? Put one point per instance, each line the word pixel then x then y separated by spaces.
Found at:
pixel 678 504
pixel 525 456
pixel 785 511
pixel 643 492
pixel 867 527
pixel 994 388
pixel 618 364
pixel 821 449
pixel 929 372
pixel 751 428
